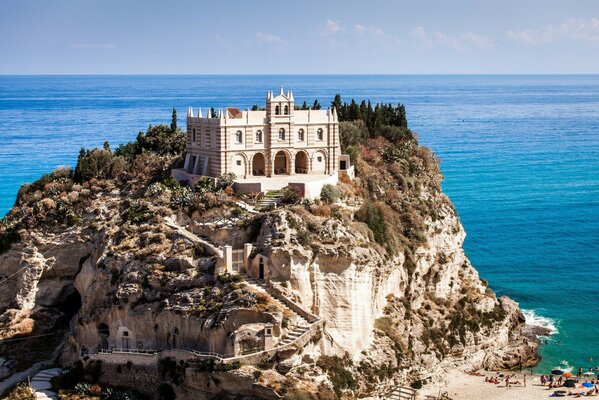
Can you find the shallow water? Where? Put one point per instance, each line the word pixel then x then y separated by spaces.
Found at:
pixel 520 156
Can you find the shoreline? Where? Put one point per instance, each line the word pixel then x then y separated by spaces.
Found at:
pixel 460 385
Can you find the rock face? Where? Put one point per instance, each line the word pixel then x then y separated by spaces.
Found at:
pixel 382 268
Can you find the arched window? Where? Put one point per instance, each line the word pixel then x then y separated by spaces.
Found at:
pixel 319 135
pixel 258 136
pixel 286 110
pixel 238 137
pixel 282 134
pixel 300 135
pixel 277 110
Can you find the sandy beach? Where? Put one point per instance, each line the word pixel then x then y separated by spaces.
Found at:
pixel 462 386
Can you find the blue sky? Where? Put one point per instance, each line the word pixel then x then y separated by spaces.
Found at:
pixel 283 37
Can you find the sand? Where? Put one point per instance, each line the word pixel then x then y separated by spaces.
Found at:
pixel 461 386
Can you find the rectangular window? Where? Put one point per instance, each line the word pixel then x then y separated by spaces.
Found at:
pixel 319 159
pixel 238 162
pixel 193 136
pixel 208 138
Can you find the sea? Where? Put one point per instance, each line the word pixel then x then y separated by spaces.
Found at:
pixel 520 156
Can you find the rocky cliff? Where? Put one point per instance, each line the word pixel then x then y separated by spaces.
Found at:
pixel 111 261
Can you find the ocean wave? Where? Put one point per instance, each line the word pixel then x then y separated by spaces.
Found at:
pixel 534 320
pixel 564 366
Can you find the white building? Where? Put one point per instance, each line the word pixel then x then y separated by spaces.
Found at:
pixel 265 149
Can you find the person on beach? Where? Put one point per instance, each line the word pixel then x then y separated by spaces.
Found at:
pixel 579 372
pixel 524 380
pixel 507 381
pixel 543 380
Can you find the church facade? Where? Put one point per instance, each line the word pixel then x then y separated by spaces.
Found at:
pixel 276 142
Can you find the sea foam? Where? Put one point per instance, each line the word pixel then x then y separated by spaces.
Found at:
pixel 534 320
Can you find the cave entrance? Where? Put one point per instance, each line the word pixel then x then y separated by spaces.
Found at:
pixel 67 303
pixel 104 333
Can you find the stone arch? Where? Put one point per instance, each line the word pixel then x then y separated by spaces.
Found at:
pixel 281 163
pixel 258 164
pixel 302 162
pixel 319 162
pixel 239 165
pixel 103 333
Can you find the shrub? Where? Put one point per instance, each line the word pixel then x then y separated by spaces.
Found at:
pixel 138 213
pixel 166 392
pixel 182 198
pixel 204 185
pixel 372 215
pixel 329 194
pixel 225 180
pixel 290 195
pixel 340 377
pixel 228 278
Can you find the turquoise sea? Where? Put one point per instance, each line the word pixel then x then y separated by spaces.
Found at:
pixel 520 155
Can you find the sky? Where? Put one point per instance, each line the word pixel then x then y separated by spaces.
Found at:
pixel 299 37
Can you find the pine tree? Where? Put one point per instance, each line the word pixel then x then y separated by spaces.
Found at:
pixel 316 105
pixel 106 145
pixel 354 111
pixel 174 121
pixel 305 106
pixel 213 113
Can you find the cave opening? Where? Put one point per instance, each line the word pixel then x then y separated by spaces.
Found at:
pixel 68 303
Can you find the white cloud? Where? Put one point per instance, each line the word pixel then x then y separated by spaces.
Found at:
pixel 482 42
pixel 332 27
pixel 269 39
pixel 578 29
pixel 92 46
pixel 448 41
pixel 375 32
pixel 421 36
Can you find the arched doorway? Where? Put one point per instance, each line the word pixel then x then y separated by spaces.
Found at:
pixel 258 165
pixel 281 163
pixel 301 163
pixel 319 162
pixel 104 333
pixel 238 165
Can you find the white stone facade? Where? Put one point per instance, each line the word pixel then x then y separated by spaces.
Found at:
pixel 274 142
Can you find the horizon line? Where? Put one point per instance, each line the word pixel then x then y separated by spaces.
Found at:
pixel 308 74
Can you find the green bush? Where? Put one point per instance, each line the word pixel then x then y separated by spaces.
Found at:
pixel 138 213
pixel 335 367
pixel 329 194
pixel 374 218
pixel 290 195
pixel 204 185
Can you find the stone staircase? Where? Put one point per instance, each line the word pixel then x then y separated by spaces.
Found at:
pixel 269 200
pixel 41 385
pixel 302 325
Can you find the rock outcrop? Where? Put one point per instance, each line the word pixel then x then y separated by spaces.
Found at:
pixel 382 266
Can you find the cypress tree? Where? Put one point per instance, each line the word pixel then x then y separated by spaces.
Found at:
pixel 174 121
pixel 316 105
pixel 336 104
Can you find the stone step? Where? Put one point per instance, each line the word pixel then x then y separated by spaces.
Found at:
pixel 41 385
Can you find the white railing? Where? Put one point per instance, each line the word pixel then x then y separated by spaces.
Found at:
pixel 129 351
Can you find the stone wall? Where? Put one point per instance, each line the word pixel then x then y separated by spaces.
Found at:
pixel 143 378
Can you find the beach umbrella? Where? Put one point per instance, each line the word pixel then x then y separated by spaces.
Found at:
pixel 588 385
pixel 557 372
pixel 570 383
pixel 567 375
pixel 589 373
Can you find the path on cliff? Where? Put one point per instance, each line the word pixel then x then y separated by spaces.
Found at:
pixel 41 385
